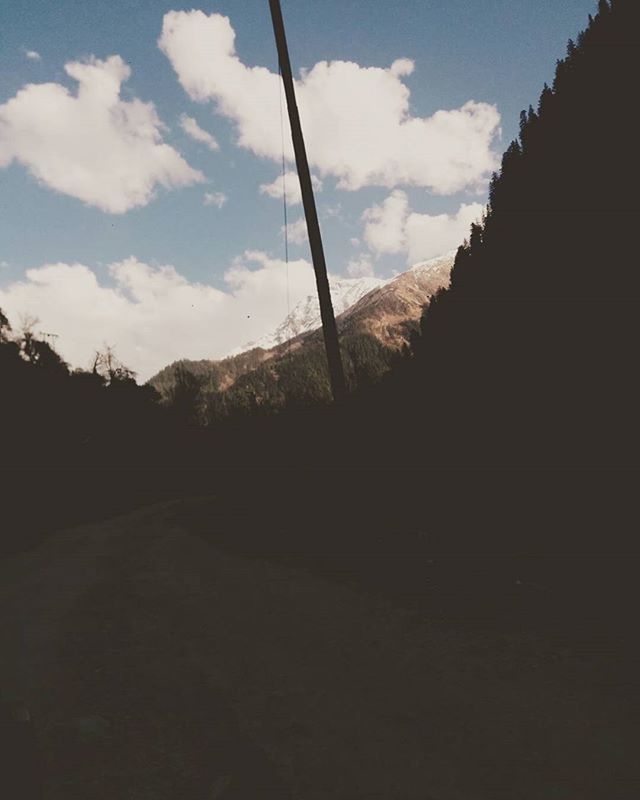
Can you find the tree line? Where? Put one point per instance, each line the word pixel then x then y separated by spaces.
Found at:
pixel 529 357
pixel 52 414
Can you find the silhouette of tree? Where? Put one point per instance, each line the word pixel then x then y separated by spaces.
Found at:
pixel 543 306
pixel 49 414
pixel 109 367
pixel 5 327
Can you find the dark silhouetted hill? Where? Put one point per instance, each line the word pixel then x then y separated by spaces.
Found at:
pixel 529 358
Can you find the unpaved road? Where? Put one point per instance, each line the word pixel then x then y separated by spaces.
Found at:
pixel 156 666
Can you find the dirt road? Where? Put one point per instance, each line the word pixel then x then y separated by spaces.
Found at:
pixel 156 666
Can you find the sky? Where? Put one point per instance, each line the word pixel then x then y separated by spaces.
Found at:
pixel 141 147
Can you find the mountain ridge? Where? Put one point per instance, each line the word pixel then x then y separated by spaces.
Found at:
pixel 375 327
pixel 305 315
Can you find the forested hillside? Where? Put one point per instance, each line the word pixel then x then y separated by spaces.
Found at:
pixel 376 332
pixel 52 415
pixel 530 356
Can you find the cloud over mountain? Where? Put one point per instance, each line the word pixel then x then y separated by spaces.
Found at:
pixel 357 120
pixel 92 145
pixel 154 315
pixel 392 227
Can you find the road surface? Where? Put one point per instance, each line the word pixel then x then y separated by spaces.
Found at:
pixel 156 665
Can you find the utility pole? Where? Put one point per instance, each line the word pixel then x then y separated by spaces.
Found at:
pixel 330 330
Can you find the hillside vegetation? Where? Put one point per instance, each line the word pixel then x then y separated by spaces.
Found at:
pixel 376 332
pixel 529 357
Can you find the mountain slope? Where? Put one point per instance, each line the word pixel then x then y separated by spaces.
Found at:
pixel 377 322
pixel 305 315
pixel 390 311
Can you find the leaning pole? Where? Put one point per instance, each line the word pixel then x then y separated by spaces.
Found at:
pixel 329 328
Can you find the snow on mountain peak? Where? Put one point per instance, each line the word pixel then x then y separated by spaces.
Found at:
pixel 436 263
pixel 305 315
pixel 345 293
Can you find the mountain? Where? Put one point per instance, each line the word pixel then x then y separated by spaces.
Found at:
pixel 305 315
pixel 376 320
pixel 391 312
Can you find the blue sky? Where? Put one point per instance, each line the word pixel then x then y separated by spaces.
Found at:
pixel 496 53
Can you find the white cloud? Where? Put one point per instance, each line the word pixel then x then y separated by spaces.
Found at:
pixel 297 231
pixel 357 120
pixel 192 129
pixel 154 315
pixel 430 235
pixel 393 228
pixel 384 224
pixel 402 67
pixel 360 267
pixel 217 199
pixel 92 145
pixel 33 55
pixel 292 184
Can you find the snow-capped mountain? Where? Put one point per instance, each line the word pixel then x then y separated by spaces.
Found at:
pixel 376 319
pixel 305 315
pixel 390 311
pixel 345 294
pixel 435 265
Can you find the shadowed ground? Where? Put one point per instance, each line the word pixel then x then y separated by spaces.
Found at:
pixel 158 665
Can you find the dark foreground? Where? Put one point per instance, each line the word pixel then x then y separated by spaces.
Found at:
pixel 205 648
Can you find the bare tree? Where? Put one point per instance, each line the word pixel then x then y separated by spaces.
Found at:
pixel 110 368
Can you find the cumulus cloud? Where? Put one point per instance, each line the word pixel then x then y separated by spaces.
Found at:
pixel 393 228
pixel 357 120
pixel 91 145
pixel 154 315
pixel 297 231
pixel 402 67
pixel 384 224
pixel 217 199
pixel 430 235
pixel 292 185
pixel 33 55
pixel 192 129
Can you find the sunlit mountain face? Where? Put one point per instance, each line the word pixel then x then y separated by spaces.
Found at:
pixel 376 321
